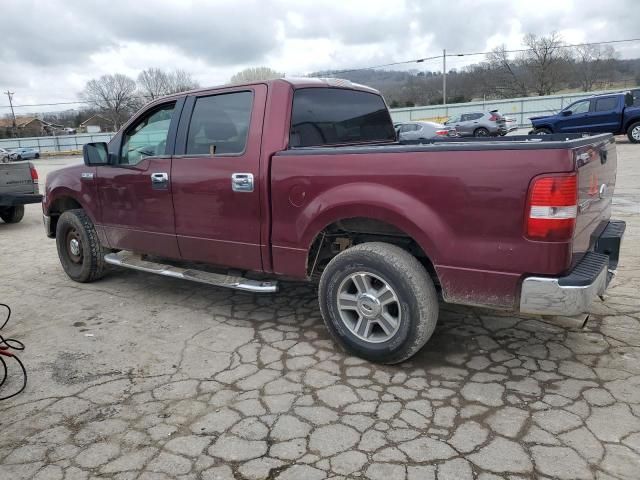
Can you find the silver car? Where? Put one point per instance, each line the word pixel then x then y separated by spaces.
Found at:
pixel 479 124
pixel 420 131
pixel 23 153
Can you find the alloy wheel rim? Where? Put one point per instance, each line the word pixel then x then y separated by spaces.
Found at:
pixel 369 307
pixel 635 133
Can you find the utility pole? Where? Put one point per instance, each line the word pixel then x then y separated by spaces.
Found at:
pixel 13 115
pixel 444 76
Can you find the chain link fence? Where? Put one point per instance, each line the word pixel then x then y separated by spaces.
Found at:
pixel 62 143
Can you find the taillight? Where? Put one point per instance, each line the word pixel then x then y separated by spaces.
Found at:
pixel 552 208
pixel 34 173
pixel 494 118
pixel 442 133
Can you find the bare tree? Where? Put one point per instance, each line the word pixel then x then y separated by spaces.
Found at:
pixel 505 75
pixel 592 64
pixel 154 82
pixel 255 74
pixel 181 81
pixel 113 95
pixel 546 60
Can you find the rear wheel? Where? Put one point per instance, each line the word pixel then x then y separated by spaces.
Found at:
pixel 633 132
pixel 79 250
pixel 12 214
pixel 19 157
pixel 378 302
pixel 37 155
pixel 481 132
pixel 542 131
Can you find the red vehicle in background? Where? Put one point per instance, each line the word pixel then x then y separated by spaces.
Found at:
pixel 305 179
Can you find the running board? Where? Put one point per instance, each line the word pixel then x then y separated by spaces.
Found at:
pixel 135 262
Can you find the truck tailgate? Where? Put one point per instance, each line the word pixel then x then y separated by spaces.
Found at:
pixel 596 165
pixel 15 178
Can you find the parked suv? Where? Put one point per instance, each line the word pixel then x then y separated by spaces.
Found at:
pixel 479 124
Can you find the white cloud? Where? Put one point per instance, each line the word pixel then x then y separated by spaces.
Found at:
pixel 53 47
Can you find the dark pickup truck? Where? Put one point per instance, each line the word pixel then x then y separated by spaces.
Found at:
pixel 18 187
pixel 304 179
pixel 617 113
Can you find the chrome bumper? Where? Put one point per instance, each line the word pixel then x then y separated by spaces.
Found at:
pixel 545 296
pixel 573 293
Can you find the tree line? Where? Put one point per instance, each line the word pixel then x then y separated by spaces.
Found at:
pixel 546 66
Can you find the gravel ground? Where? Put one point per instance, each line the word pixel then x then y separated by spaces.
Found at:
pixel 138 376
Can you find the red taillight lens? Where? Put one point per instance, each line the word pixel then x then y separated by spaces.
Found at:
pixel 494 118
pixel 34 174
pixel 552 208
pixel 442 133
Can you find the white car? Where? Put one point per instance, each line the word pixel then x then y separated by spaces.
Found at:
pixel 5 155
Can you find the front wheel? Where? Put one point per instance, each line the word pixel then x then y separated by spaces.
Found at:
pixel 378 302
pixel 12 214
pixel 633 132
pixel 37 155
pixel 18 158
pixel 79 249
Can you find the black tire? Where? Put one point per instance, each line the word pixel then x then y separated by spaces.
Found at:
pixel 542 131
pixel 12 214
pixel 88 264
pixel 630 132
pixel 18 158
pixel 417 301
pixel 481 132
pixel 37 155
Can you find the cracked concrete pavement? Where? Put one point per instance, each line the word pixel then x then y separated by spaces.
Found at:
pixel 138 376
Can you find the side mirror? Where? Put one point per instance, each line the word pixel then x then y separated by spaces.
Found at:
pixel 566 113
pixel 95 154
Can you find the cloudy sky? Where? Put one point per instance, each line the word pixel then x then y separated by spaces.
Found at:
pixel 50 48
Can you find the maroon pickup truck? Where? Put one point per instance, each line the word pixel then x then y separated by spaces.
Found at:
pixel 304 179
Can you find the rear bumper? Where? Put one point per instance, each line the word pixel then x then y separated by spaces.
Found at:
pixel 573 293
pixel 15 199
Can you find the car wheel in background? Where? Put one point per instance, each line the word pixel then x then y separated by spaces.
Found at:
pixel 37 155
pixel 80 252
pixel 12 214
pixel 542 131
pixel 18 158
pixel 378 302
pixel 481 132
pixel 633 132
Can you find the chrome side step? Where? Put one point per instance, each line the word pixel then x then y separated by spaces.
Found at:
pixel 135 262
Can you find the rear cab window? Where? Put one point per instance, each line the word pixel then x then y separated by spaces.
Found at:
pixel 337 116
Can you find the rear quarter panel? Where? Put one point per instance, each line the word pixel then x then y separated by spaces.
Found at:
pixel 464 208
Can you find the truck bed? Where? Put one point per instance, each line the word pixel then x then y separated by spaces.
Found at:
pixel 462 200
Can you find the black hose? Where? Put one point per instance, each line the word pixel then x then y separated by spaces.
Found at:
pixel 6 345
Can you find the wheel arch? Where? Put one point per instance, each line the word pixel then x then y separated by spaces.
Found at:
pixel 630 122
pixel 60 204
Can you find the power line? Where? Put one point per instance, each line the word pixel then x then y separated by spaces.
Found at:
pixel 436 57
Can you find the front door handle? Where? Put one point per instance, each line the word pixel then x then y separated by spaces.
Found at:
pixel 159 180
pixel 242 182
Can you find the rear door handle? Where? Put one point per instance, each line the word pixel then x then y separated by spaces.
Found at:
pixel 159 180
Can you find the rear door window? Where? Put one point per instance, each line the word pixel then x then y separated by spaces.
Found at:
pixel 220 124
pixel 606 104
pixel 333 116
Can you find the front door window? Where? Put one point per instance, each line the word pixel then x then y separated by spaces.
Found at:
pixel 148 137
